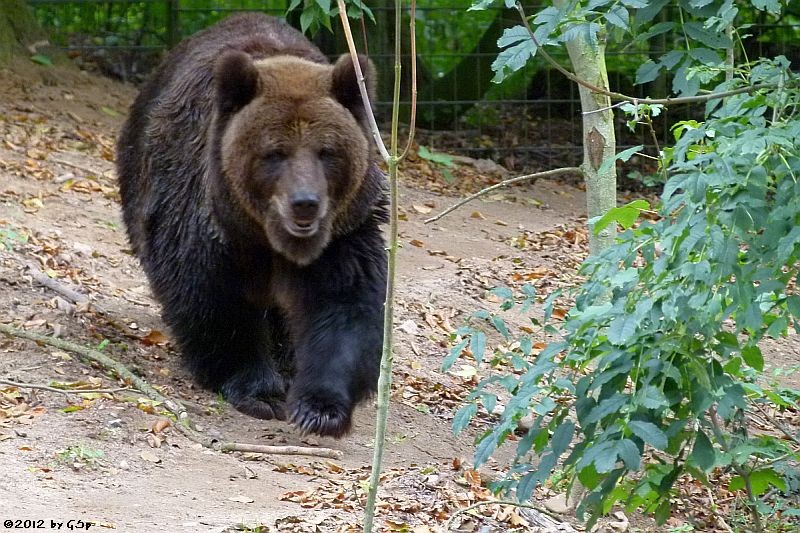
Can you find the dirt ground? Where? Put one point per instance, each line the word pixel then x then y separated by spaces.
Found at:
pixel 110 459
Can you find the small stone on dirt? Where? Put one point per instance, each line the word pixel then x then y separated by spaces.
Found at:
pixel 410 327
pixel 557 504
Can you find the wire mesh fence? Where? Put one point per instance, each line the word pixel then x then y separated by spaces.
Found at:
pixel 529 122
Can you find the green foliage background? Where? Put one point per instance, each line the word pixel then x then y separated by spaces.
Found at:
pixel 658 364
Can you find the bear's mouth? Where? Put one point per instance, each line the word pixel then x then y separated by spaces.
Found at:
pixel 302 228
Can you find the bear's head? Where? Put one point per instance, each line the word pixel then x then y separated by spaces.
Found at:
pixel 293 145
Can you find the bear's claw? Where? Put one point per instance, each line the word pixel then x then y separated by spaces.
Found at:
pixel 324 420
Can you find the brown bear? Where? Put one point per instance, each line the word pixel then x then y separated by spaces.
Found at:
pixel 253 202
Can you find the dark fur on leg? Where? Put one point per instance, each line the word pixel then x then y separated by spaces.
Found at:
pixel 337 328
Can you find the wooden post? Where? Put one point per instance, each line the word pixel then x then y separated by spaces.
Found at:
pixel 173 27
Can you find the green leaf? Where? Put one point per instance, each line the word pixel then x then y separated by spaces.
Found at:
pixel 793 305
pixel 479 5
pixel 753 357
pixel 527 484
pixel 485 448
pixel 703 454
pixel 618 16
pixel 439 158
pixel 647 72
pixel 500 325
pixel 760 480
pixel 706 56
pixel 649 433
pixel 655 30
pixel 307 18
pixel 477 345
pixel 589 477
pixel 652 398
pixel 648 12
pixel 606 407
pixel 513 36
pixel 42 60
pixel 544 406
pixel 710 38
pixel 455 352
pixel 489 402
pixel 621 329
pixel 463 416
pixel 622 156
pixel 663 512
pixel 778 327
pixel 512 59
pixel 625 216
pixel 562 436
pixel 772 6
pixel 629 453
pixel 604 462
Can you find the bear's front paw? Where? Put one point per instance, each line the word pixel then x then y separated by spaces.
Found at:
pixel 257 394
pixel 264 409
pixel 325 416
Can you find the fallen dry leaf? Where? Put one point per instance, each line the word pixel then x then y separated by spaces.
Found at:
pixel 155 337
pixel 160 425
pixel 150 457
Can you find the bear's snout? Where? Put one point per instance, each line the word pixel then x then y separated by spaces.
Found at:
pixel 305 207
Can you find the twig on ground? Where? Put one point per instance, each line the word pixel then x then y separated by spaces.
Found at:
pixel 714 507
pixel 280 450
pixel 185 424
pixel 61 288
pixel 548 520
pixel 506 183
pixel 782 428
pixel 64 391
pixel 88 170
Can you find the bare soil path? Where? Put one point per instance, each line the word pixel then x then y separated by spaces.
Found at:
pixel 113 460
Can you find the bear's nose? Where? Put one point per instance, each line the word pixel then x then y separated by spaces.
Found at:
pixel 305 206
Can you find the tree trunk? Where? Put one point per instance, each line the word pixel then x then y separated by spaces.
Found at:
pixel 599 141
pixel 18 29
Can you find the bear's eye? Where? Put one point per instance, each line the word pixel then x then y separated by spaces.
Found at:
pixel 272 157
pixel 327 154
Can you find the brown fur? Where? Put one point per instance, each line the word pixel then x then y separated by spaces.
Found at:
pixel 309 137
pixel 251 197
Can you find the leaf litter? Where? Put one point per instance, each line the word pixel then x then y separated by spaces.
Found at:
pixel 64 159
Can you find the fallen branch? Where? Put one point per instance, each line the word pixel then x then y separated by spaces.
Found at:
pixel 61 288
pixel 542 517
pixel 64 391
pixel 88 170
pixel 185 424
pixel 782 428
pixel 506 183
pixel 280 450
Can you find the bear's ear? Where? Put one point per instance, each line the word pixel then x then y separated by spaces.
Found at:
pixel 236 80
pixel 344 85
